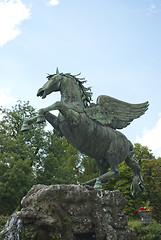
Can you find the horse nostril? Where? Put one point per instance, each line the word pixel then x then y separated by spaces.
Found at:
pixel 40 92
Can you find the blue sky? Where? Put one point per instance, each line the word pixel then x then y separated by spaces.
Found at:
pixel 115 44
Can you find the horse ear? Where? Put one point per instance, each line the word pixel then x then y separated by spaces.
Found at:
pixel 57 71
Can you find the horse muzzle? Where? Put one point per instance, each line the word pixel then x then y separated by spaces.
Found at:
pixel 41 93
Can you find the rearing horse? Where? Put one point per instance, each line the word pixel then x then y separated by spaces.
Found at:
pixel 89 127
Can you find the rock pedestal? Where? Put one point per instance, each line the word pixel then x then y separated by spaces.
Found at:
pixel 73 212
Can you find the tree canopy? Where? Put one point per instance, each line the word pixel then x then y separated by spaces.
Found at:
pixel 45 157
pixel 18 155
pixel 151 171
pixel 33 157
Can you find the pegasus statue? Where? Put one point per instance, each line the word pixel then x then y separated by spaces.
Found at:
pixel 91 127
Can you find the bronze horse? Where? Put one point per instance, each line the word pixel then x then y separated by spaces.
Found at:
pixel 91 128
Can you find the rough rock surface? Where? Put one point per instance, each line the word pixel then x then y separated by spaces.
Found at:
pixel 73 212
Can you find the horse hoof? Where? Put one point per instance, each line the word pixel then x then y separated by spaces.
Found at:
pixel 25 127
pixel 41 119
pixel 98 184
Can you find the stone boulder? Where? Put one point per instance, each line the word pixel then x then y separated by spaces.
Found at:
pixel 73 212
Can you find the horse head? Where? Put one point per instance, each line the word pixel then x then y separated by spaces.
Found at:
pixel 70 85
pixel 52 85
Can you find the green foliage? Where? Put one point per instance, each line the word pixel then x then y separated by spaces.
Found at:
pixel 18 155
pixel 151 170
pixel 123 184
pixel 149 232
pixel 15 181
pixel 40 156
pixel 88 169
pixel 28 232
pixel 56 236
pixel 60 165
pixel 33 157
pixel 3 220
pixel 67 220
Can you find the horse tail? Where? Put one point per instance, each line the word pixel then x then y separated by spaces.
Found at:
pixel 137 185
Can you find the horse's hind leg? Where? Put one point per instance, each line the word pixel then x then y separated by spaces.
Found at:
pixel 103 178
pixel 113 164
pixel 102 169
pixel 110 161
pixel 137 185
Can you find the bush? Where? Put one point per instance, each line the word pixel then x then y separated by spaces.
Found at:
pixel 149 232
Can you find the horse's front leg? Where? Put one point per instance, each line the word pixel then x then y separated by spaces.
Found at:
pixel 70 115
pixel 44 111
pixel 53 120
pixel 26 124
pixel 48 116
pixel 43 115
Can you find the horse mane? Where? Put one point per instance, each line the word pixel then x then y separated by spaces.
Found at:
pixel 86 93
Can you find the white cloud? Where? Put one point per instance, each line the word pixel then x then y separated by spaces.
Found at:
pixel 53 2
pixel 153 8
pixel 5 98
pixel 12 13
pixel 152 138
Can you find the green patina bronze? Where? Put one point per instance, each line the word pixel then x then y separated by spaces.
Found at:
pixel 91 128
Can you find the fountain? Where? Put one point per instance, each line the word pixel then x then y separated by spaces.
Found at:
pixel 13 228
pixel 69 212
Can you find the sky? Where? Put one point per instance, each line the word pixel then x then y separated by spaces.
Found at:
pixel 115 44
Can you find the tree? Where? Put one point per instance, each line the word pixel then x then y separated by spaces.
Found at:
pixel 32 157
pixel 40 156
pixel 19 153
pixel 151 168
pixel 61 164
pixel 151 171
pixel 88 169
pixel 152 177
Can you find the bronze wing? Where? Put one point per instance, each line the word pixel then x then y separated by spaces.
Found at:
pixel 115 113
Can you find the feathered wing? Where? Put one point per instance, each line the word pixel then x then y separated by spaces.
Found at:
pixel 115 113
